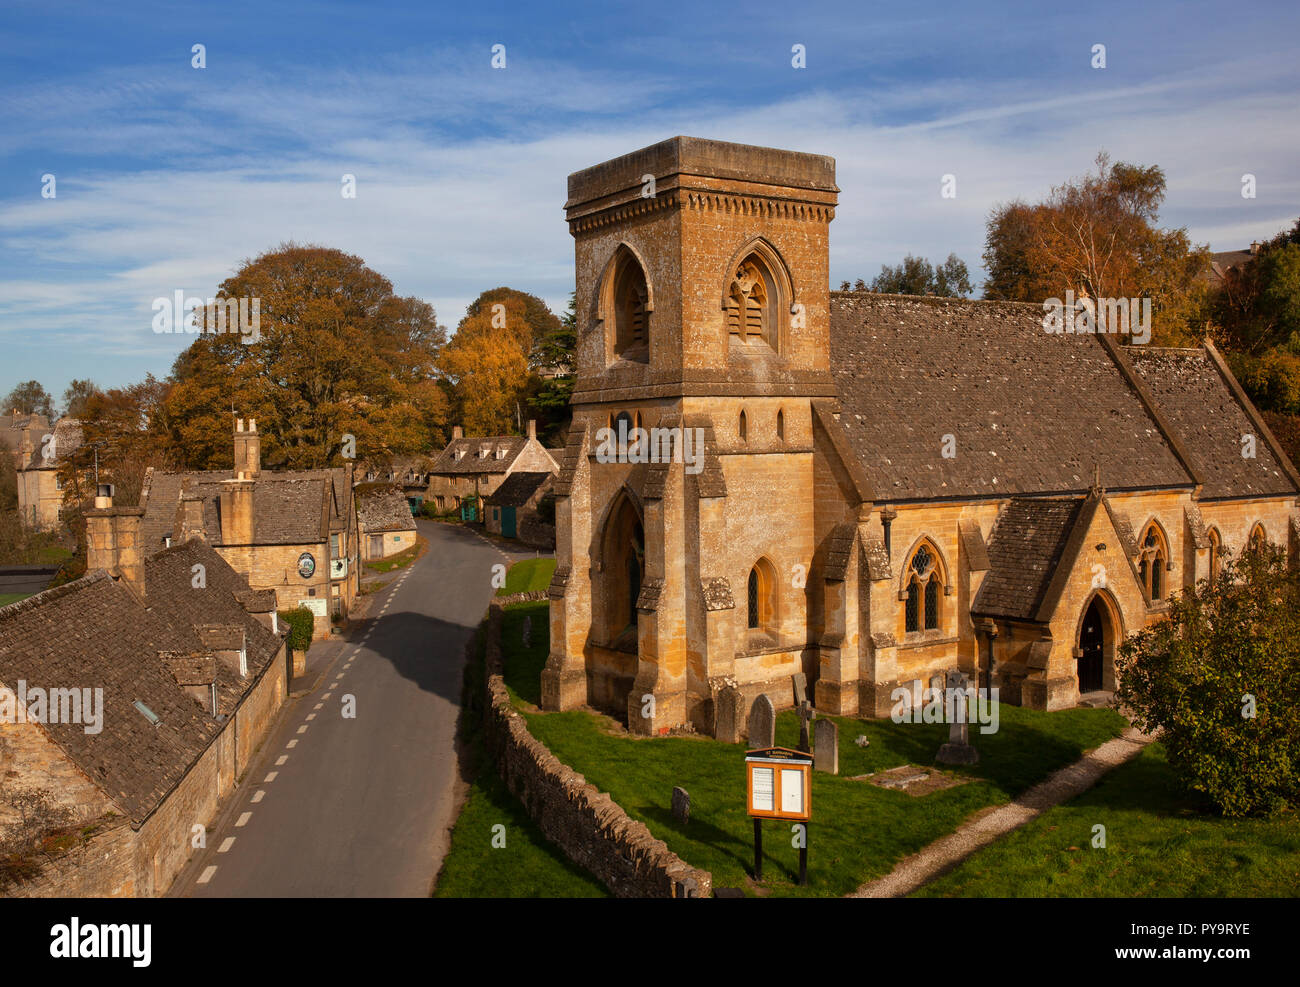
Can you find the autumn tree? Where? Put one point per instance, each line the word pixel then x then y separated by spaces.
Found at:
pixel 917 276
pixel 337 354
pixel 75 396
pixel 30 398
pixel 1097 236
pixel 486 364
pixel 527 314
pixel 549 396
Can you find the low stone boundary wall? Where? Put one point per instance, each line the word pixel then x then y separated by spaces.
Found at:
pixel 589 826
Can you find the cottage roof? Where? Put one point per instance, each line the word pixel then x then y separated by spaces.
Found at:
pixel 490 454
pixel 517 489
pixel 384 510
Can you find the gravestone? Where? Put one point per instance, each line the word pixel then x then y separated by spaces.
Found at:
pixel 826 747
pixel 729 714
pixel 762 723
pixel 958 749
pixel 800 683
pixel 681 805
pixel 528 631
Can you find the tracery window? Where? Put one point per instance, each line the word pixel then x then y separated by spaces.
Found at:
pixel 752 304
pixel 1257 538
pixel 924 584
pixel 1153 561
pixel 761 598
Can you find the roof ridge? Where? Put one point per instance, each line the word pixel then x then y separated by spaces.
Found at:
pixel 937 299
pixel 53 593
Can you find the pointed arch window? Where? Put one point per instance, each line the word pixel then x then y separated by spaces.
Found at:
pixel 1258 539
pixel 1216 549
pixel 1153 561
pixel 780 425
pixel 625 305
pixel 752 303
pixel 743 427
pixel 924 587
pixel 761 598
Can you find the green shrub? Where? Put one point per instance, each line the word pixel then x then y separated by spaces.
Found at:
pixel 1221 676
pixel 301 623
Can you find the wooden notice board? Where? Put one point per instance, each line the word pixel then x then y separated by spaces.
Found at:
pixel 778 784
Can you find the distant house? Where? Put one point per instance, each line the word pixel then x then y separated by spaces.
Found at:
pixel 41 454
pixel 409 473
pixel 18 430
pixel 475 467
pixel 1226 261
pixel 512 509
pixel 131 701
pixel 292 531
pixel 386 523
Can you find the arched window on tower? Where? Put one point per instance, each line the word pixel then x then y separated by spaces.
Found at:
pixel 1216 548
pixel 626 302
pixel 743 428
pixel 1153 561
pixel 924 589
pixel 780 425
pixel 752 303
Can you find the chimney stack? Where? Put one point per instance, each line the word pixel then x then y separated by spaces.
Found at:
pixel 532 428
pixel 237 511
pixel 113 540
pixel 248 449
pixel 457 432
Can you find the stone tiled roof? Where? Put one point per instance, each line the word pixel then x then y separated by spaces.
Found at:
pixel 1031 412
pixel 471 462
pixel 290 507
pixel 1023 552
pixel 94 633
pixel 1210 419
pixel 517 489
pixel 68 438
pixel 384 510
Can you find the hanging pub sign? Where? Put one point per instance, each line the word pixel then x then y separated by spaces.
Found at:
pixel 779 784
pixel 306 565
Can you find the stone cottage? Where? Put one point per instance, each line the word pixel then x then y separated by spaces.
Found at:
pixel 291 531
pixel 145 688
pixel 878 488
pixel 477 466
pixel 385 521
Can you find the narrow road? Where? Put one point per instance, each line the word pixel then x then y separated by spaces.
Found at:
pixel 359 807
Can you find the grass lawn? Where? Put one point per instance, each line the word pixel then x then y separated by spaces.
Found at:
pixel 529 865
pixel 8 598
pixel 528 576
pixel 858 831
pixel 1159 843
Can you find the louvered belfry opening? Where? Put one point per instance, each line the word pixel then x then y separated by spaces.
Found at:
pixel 632 332
pixel 751 313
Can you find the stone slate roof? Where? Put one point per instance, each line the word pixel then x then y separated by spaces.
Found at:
pixel 94 633
pixel 471 462
pixel 517 489
pixel 1031 412
pixel 1023 552
pixel 384 510
pixel 67 440
pixel 1209 419
pixel 290 507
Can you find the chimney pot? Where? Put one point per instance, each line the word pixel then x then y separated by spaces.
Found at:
pixel 457 432
pixel 532 428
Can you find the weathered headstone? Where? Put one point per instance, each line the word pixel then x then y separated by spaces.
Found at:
pixel 762 723
pixel 681 805
pixel 958 749
pixel 826 746
pixel 806 715
pixel 729 714
pixel 800 683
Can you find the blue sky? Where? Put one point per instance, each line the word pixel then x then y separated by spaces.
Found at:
pixel 168 177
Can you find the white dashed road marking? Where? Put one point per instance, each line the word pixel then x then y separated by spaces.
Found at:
pixel 206 876
pixel 271 776
pixel 243 819
pixel 258 796
pixel 226 844
pixel 281 759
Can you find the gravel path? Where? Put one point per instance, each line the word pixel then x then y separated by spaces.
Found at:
pixel 944 854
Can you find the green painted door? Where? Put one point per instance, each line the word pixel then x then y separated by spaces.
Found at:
pixel 508 522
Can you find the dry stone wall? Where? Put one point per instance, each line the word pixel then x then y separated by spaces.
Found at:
pixel 590 827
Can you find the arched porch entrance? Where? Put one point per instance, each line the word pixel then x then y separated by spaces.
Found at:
pixel 1095 651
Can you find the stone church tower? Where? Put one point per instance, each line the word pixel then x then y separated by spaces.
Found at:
pixel 703 303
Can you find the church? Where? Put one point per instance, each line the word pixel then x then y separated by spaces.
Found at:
pixel 888 487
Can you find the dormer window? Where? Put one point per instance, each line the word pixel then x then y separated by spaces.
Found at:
pixel 460 454
pixel 501 452
pixel 483 451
